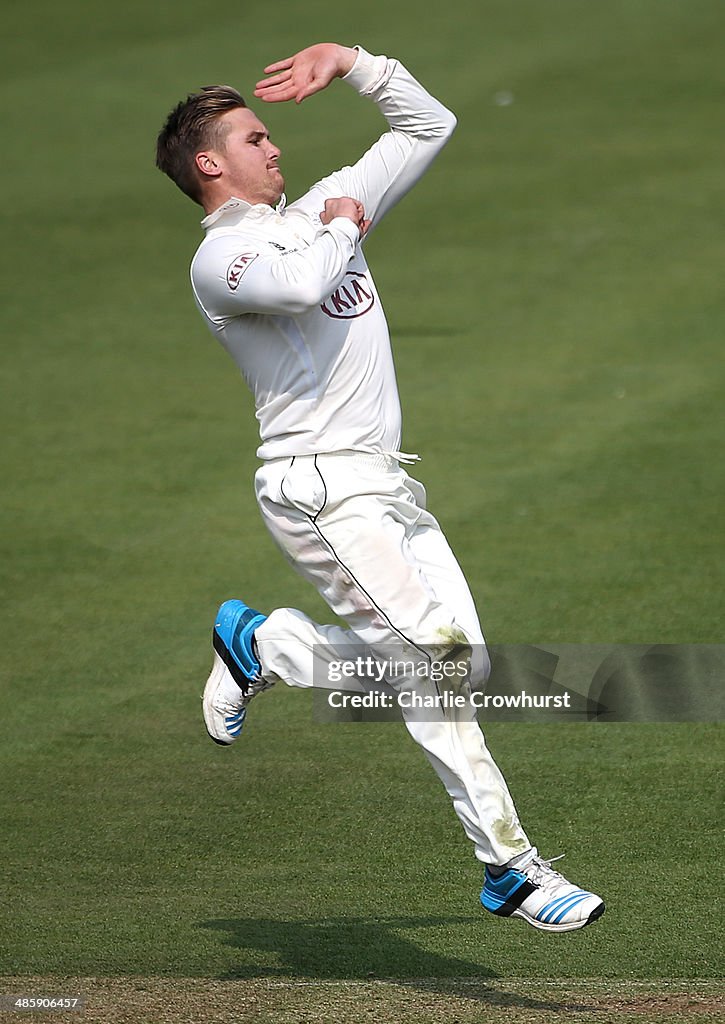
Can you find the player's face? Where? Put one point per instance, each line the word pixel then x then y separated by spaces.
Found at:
pixel 249 159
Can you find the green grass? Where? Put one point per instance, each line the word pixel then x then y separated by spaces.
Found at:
pixel 136 850
pixel 554 291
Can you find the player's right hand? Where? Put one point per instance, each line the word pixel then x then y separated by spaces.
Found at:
pixel 344 206
pixel 306 73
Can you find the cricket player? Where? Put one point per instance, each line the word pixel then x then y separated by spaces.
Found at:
pixel 287 291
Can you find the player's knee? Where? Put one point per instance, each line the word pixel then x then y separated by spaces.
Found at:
pixel 480 666
pixel 453 644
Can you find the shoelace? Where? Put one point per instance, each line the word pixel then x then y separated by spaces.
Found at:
pixel 540 870
pixel 232 707
pixel 258 685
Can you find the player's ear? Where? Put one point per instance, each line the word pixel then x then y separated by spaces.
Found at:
pixel 208 163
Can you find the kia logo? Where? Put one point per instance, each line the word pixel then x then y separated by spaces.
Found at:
pixel 353 298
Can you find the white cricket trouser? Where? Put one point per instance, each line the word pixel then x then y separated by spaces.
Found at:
pixel 356 526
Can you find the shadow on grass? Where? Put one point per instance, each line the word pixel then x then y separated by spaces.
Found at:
pixel 365 949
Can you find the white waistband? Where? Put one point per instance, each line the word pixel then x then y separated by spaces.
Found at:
pixel 375 460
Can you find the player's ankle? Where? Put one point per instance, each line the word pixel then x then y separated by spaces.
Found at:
pixel 519 861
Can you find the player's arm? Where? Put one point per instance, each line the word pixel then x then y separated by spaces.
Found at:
pixel 419 126
pixel 231 276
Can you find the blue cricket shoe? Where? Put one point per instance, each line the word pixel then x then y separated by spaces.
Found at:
pixel 236 675
pixel 541 896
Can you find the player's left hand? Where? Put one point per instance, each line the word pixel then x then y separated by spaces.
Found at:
pixel 308 72
pixel 345 206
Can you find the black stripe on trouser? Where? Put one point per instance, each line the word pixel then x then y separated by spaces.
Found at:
pixel 516 899
pixel 226 655
pixel 358 584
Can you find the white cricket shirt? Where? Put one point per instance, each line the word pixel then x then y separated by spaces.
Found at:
pixel 293 300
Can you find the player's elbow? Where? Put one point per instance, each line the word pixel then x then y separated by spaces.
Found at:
pixel 450 121
pixel 445 124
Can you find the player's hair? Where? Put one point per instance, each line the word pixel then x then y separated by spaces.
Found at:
pixel 193 125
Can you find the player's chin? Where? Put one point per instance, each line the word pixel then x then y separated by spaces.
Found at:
pixel 277 186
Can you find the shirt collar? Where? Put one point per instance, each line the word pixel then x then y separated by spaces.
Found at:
pixel 235 209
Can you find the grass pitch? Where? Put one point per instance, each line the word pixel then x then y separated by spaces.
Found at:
pixel 553 288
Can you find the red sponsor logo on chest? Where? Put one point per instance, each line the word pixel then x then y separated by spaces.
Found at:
pixel 354 297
